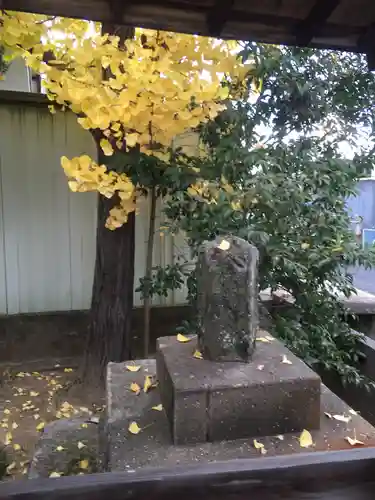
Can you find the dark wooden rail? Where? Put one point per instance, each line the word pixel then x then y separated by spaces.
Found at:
pixel 342 475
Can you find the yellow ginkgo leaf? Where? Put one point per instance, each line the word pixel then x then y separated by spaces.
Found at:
pixel 280 437
pixel 34 394
pixel 134 428
pixel 80 445
pixel 197 355
pixel 55 474
pixel 286 361
pixel 106 147
pixel 132 368
pixel 134 387
pixel 40 426
pixel 158 407
pixel 224 245
pixel 8 438
pixel 16 447
pixel 84 464
pixel 84 426
pixel 342 418
pixel 305 439
pixel 263 339
pixel 14 425
pixel 6 411
pixel 182 338
pixel 60 448
pixel 354 441
pixel 67 370
pixel 147 384
pixel 259 446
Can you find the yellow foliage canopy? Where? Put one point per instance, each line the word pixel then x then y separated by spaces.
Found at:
pixel 144 91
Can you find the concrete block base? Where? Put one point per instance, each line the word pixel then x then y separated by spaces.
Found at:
pixel 275 393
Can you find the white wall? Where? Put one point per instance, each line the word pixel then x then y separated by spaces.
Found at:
pixel 17 77
pixel 47 233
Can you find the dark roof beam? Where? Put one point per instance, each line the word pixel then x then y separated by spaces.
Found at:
pixel 218 16
pixel 309 27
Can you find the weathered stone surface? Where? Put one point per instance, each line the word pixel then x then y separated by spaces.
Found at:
pixel 227 299
pixel 66 433
pixel 153 446
pixel 213 401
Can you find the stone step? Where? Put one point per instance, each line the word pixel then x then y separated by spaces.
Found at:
pixel 153 446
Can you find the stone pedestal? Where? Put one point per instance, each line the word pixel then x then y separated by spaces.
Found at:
pixel 212 401
pixel 153 446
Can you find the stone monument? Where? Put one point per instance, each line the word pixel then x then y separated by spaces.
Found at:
pixel 235 391
pixel 227 299
pixel 215 396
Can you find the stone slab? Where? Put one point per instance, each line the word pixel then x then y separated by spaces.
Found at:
pixel 153 446
pixel 66 433
pixel 213 401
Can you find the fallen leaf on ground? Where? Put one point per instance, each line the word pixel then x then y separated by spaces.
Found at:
pixel 260 367
pixel 305 439
pixel 34 394
pixel 158 407
pixel 11 467
pixel 6 411
pixel 182 338
pixel 281 437
pixel 60 448
pixel 80 445
pixel 55 474
pixel 16 447
pixel 134 428
pixel 84 464
pixel 259 446
pixel 14 425
pixel 8 438
pixel 94 420
pixel 20 375
pixel 263 339
pixel 132 368
pixel 40 426
pixel 353 441
pixel 197 355
pixel 224 245
pixel 84 426
pixel 68 370
pixel 286 361
pixel 135 388
pixel 148 384
pixel 342 418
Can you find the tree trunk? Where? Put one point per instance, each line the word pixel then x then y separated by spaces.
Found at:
pixel 148 274
pixel 112 297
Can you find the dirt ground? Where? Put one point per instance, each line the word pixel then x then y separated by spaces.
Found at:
pixel 30 400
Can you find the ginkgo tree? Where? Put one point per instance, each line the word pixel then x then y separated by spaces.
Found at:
pixel 134 95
